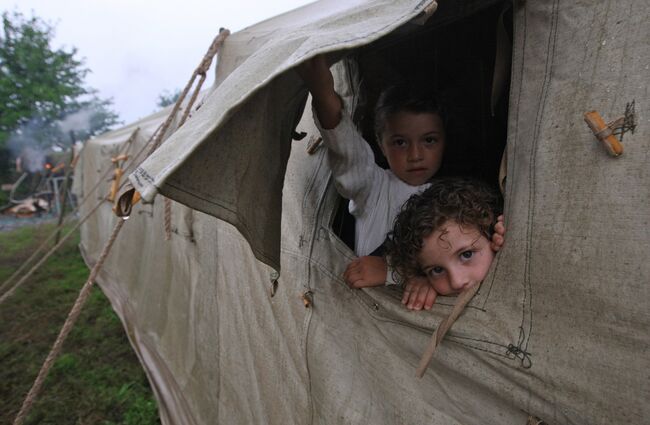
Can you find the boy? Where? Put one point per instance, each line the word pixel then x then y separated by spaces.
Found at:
pixel 444 235
pixel 410 134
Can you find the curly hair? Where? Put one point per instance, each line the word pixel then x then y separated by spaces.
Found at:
pixel 468 202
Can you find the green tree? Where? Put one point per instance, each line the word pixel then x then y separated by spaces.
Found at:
pixel 35 79
pixel 166 98
pixel 42 88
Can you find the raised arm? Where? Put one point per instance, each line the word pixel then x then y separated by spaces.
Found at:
pixel 320 83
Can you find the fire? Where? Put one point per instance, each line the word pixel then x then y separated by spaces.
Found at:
pixel 59 167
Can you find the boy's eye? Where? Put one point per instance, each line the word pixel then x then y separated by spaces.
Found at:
pixel 430 140
pixel 466 255
pixel 399 142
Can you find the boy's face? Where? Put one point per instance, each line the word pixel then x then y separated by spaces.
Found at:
pixel 413 144
pixel 454 258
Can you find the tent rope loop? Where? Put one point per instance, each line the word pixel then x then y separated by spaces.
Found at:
pixel 202 71
pixel 520 354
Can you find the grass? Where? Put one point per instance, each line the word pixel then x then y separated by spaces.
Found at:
pixel 97 379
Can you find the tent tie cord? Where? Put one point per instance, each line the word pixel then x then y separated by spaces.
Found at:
pixel 462 300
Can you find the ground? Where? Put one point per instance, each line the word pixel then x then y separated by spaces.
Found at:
pixel 97 379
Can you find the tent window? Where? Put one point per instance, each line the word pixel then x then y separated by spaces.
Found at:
pixel 457 58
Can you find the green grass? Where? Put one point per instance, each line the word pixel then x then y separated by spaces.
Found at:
pixel 97 379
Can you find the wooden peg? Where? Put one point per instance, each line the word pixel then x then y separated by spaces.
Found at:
pixel 603 132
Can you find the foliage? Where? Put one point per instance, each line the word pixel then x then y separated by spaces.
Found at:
pixel 97 378
pixel 41 85
pixel 167 98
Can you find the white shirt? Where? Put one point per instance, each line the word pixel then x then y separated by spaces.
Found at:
pixel 376 195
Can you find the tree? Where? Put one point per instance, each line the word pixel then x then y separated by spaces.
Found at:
pixel 39 82
pixel 43 86
pixel 166 98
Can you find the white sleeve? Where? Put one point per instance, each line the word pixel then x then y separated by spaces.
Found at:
pixel 352 163
pixel 393 278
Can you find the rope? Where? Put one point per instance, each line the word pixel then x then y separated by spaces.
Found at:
pixel 67 219
pixel 85 291
pixel 195 95
pixel 201 70
pixel 45 257
pixel 67 327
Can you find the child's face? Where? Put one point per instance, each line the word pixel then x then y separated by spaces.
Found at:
pixel 413 144
pixel 455 257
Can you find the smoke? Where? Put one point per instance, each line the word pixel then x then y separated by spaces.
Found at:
pixel 32 159
pixel 27 144
pixel 37 137
pixel 78 122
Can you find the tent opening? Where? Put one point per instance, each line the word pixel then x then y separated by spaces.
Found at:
pixel 466 61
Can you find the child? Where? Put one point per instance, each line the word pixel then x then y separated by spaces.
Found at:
pixel 444 235
pixel 410 134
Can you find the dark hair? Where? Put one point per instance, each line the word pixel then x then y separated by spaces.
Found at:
pixel 468 202
pixel 404 98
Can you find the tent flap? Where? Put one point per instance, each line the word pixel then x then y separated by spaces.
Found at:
pixel 229 159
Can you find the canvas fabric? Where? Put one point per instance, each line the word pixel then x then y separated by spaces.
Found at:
pixel 557 330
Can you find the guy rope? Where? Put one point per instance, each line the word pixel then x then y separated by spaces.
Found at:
pixel 85 290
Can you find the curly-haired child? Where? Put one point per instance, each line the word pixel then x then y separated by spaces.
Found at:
pixel 444 234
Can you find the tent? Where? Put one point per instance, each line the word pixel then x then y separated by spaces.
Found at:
pixel 243 317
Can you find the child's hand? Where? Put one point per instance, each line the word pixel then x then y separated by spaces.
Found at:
pixel 316 74
pixel 320 83
pixel 498 238
pixel 418 294
pixel 366 271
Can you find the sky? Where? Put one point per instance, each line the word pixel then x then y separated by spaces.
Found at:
pixel 138 49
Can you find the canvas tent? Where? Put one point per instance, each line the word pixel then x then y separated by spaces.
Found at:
pixel 558 329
